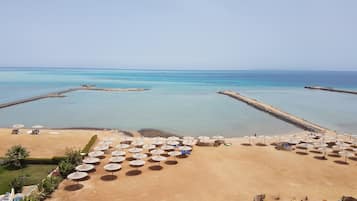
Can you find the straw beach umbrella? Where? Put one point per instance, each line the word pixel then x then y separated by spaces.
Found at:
pixel 149 146
pixel 138 143
pixel 157 142
pixel 117 159
pixel 90 160
pixel 122 146
pixel 108 139
pixel 112 167
pixel 218 137
pixel 249 139
pixel 323 150
pixel 140 156
pixel 157 152
pixel 84 167
pixel 135 150
pixel 167 147
pixel 158 158
pixel 188 142
pixel 173 138
pixel 95 153
pixel 174 154
pixel 137 163
pixel 345 154
pixel 75 176
pixel 106 143
pixel 101 148
pixel 126 139
pixel 188 138
pixel 203 138
pixel 118 153
pixel 185 148
pixel 172 143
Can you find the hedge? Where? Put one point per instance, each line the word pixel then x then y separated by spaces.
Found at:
pixel 89 145
pixel 55 160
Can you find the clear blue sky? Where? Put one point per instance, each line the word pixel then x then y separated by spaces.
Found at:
pixel 229 34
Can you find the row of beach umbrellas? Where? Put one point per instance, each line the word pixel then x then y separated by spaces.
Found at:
pixel 158 146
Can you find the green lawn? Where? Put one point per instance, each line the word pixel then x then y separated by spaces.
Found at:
pixel 34 174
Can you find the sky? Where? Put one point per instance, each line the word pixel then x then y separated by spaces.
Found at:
pixel 180 34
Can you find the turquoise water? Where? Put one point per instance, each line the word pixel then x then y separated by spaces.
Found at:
pixel 184 102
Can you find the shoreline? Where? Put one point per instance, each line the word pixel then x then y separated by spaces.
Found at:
pixel 151 132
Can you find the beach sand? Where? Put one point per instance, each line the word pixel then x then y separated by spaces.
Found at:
pixel 222 173
pixel 48 143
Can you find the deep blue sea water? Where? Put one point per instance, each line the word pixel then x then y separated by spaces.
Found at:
pixel 184 102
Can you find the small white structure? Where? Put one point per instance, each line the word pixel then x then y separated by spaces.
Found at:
pixel 16 128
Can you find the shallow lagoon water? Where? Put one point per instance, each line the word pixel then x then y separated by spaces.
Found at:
pixel 183 102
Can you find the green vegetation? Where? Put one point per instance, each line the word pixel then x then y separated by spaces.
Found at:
pixel 32 197
pixel 89 145
pixel 15 156
pixel 73 156
pixel 18 183
pixel 66 166
pixel 33 175
pixel 47 186
pixel 19 171
pixel 55 160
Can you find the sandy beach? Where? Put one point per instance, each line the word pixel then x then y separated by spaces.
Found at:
pixel 48 143
pixel 234 172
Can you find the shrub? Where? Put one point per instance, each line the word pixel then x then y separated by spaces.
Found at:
pixel 65 168
pixel 73 156
pixel 35 196
pixel 17 184
pixel 48 185
pixel 50 161
pixel 15 156
pixel 89 145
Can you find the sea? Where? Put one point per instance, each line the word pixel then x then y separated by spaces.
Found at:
pixel 183 102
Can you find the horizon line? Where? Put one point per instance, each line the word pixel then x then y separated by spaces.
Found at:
pixel 169 69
